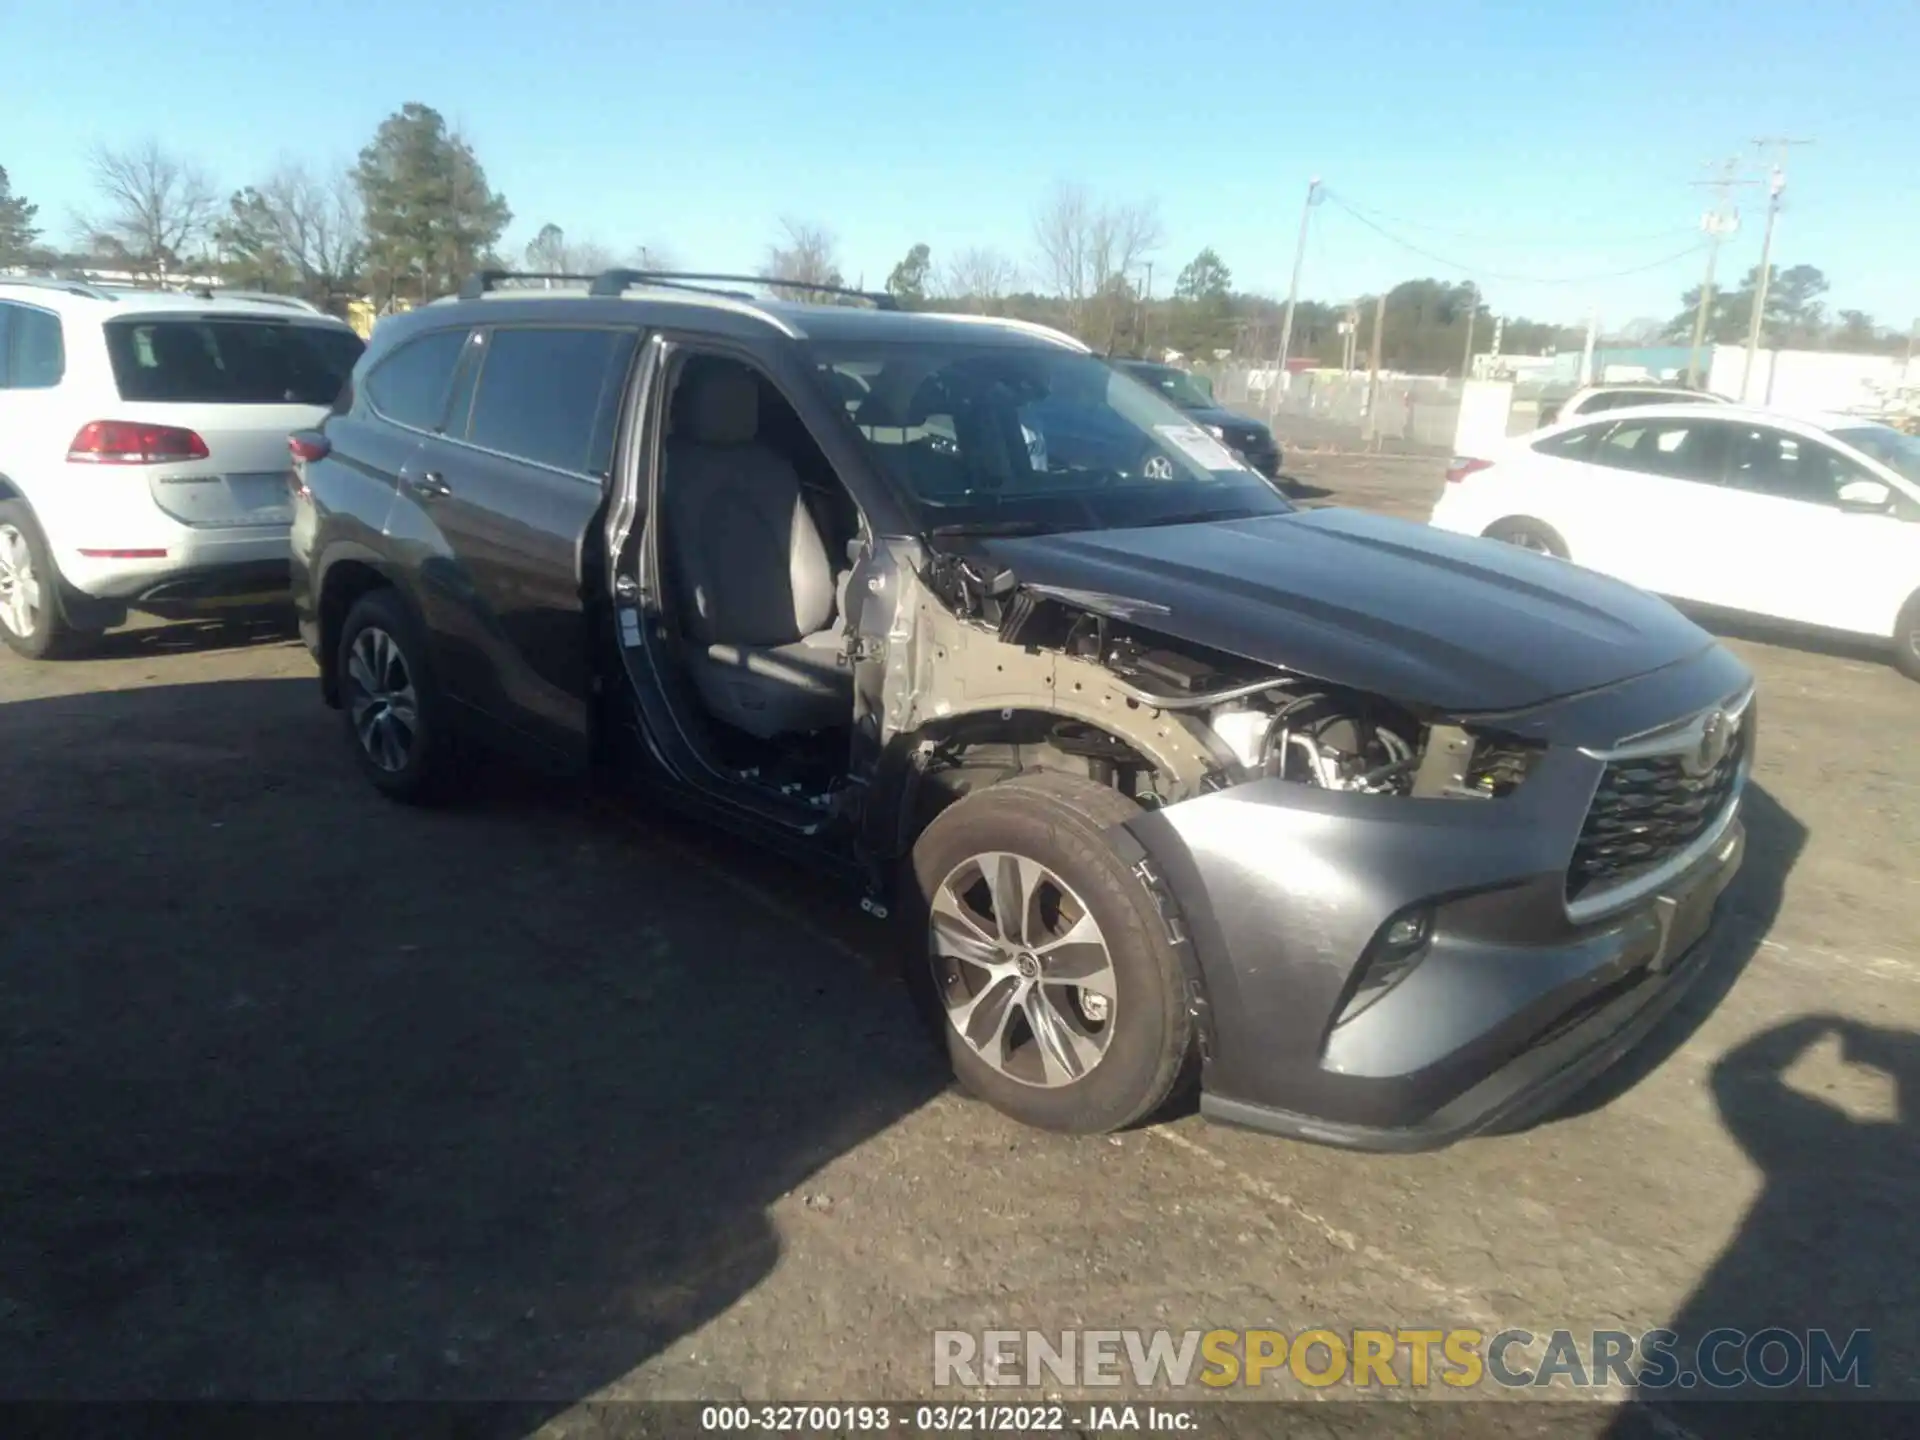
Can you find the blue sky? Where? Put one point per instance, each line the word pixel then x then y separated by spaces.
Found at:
pixel 1540 141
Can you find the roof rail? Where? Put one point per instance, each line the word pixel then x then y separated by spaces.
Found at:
pixel 483 281
pixel 263 297
pixel 616 282
pixel 72 285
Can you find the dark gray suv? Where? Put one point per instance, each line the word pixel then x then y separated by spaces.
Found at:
pixel 1394 834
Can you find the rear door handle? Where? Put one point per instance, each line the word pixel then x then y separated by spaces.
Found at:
pixel 430 486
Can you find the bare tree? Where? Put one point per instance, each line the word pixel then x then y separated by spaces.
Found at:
pixel 805 253
pixel 319 227
pixel 1062 229
pixel 552 252
pixel 1089 250
pixel 980 276
pixel 155 207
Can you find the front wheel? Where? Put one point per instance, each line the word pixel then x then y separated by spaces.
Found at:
pixel 1906 638
pixel 1043 959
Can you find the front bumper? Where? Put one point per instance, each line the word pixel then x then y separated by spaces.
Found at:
pixel 1264 458
pixel 1282 889
pixel 1601 996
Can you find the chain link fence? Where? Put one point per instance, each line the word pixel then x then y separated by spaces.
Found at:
pixel 1327 409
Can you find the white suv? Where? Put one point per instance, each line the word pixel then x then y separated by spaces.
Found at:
pixel 143 449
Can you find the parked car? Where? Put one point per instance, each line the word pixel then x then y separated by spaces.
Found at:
pixel 1394 833
pixel 1594 399
pixel 143 449
pixel 1812 521
pixel 1249 439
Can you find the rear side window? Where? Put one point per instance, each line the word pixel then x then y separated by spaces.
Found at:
pixel 1683 449
pixel 410 385
pixel 33 355
pixel 230 361
pixel 1573 445
pixel 549 395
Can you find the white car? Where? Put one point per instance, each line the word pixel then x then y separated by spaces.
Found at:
pixel 143 449
pixel 1812 521
pixel 1594 399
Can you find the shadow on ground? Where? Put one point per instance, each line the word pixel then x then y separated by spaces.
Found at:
pixel 1748 909
pixel 303 1094
pixel 1827 1247
pixel 198 635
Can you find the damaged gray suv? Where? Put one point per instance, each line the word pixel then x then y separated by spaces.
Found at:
pixel 1390 835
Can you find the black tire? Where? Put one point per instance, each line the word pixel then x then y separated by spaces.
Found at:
pixel 1906 638
pixel 416 763
pixel 49 635
pixel 1534 535
pixel 1060 821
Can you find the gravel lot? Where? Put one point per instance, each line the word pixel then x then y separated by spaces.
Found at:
pixel 303 1094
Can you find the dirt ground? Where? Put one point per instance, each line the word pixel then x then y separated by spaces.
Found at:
pixel 306 1095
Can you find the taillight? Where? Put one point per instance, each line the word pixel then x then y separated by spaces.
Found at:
pixel 127 442
pixel 305 445
pixel 1463 466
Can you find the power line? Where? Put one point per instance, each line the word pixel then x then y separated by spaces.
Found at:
pixel 1377 214
pixel 1483 273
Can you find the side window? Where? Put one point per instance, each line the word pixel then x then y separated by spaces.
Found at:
pixel 1681 449
pixel 549 395
pixel 35 355
pixel 465 377
pixel 6 320
pixel 1772 462
pixel 410 385
pixel 1574 445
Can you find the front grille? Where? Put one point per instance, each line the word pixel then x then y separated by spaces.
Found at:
pixel 1650 808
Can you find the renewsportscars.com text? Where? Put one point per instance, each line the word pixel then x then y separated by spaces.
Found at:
pixel 1726 1359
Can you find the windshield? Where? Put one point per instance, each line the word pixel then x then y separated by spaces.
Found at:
pixel 225 361
pixel 996 438
pixel 1899 453
pixel 1176 386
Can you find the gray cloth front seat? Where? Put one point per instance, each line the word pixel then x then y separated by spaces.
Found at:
pixel 755 585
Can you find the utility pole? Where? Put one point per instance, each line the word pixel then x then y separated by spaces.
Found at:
pixel 1146 313
pixel 1473 311
pixel 1776 183
pixel 1586 352
pixel 1299 259
pixel 1720 221
pixel 1372 428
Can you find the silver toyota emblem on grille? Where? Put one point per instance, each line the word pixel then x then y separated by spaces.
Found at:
pixel 1716 737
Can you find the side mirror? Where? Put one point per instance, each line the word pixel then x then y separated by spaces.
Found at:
pixel 1866 497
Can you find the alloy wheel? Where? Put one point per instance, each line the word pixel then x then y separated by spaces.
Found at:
pixel 1022 970
pixel 19 586
pixel 381 699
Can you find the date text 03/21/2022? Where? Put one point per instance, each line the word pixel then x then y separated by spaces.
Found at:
pixel 945 1419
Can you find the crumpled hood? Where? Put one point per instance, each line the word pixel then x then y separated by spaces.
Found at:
pixel 1423 616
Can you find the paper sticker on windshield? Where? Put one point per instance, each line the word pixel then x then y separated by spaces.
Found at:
pixel 1198 446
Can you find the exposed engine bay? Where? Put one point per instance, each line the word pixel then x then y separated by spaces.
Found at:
pixel 1255 722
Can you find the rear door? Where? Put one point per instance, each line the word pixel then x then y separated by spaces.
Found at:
pixel 505 502
pixel 242 383
pixel 1647 487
